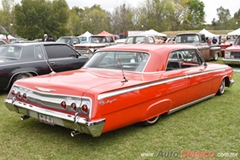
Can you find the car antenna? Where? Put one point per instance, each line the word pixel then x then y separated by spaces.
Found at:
pixel 124 78
pixel 52 71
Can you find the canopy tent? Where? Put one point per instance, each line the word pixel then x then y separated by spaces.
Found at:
pixel 105 33
pixel 86 34
pixel 234 33
pixel 85 37
pixel 209 34
pixel 152 32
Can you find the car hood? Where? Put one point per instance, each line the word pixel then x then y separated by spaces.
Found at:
pixel 78 82
pixel 233 48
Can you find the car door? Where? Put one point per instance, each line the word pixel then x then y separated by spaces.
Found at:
pixel 199 80
pixel 177 81
pixel 62 57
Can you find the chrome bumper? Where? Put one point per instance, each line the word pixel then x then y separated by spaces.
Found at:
pixel 82 125
pixel 231 61
pixel 231 83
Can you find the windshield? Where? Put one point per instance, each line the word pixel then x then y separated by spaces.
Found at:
pixel 11 52
pixel 64 40
pixel 119 60
pixel 187 38
pixel 98 39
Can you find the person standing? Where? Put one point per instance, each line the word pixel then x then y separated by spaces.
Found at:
pixel 214 40
pixel 45 38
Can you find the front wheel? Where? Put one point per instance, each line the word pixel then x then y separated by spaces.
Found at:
pixel 221 89
pixel 215 56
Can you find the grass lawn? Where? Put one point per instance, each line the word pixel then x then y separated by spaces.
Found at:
pixel 210 127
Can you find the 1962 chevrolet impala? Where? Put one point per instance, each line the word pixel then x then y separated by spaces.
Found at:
pixel 119 86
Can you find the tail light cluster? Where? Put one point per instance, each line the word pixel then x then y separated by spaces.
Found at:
pixel 77 107
pixel 19 94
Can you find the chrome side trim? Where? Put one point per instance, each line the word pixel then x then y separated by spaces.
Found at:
pixel 131 89
pixel 191 103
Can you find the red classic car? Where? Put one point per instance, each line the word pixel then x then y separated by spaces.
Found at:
pixel 119 86
pixel 225 45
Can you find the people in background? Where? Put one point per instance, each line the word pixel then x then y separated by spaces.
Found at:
pixel 208 41
pixel 45 38
pixel 214 40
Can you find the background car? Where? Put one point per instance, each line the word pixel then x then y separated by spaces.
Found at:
pixel 138 82
pixel 70 40
pixel 21 60
pixel 2 42
pixel 226 44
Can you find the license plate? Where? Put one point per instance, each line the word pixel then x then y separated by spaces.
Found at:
pixel 46 119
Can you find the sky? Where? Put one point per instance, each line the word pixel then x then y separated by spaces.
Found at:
pixel 210 5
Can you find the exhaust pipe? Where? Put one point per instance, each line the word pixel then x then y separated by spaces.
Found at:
pixel 24 117
pixel 75 132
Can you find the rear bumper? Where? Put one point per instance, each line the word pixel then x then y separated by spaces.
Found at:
pixel 82 125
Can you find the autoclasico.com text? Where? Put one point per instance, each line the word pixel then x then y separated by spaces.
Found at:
pixel 190 154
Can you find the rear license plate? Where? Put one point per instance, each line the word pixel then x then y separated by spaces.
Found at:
pixel 45 119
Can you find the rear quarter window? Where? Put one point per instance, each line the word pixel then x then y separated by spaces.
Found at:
pixel 59 51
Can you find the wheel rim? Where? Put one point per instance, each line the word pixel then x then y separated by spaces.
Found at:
pixel 216 56
pixel 153 120
pixel 24 75
pixel 222 87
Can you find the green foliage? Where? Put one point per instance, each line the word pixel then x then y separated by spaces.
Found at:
pixel 34 18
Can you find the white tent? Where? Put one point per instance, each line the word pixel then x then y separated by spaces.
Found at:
pixel 209 34
pixel 152 32
pixel 85 37
pixel 234 33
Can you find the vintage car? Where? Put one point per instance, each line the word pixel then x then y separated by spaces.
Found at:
pixel 2 42
pixel 208 52
pixel 97 41
pixel 21 60
pixel 119 86
pixel 70 40
pixel 137 39
pixel 225 45
pixel 232 53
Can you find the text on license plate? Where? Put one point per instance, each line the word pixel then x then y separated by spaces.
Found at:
pixel 46 119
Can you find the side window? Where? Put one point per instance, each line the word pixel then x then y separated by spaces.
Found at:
pixel 151 40
pixel 59 51
pixel 183 59
pixel 38 53
pixel 203 39
pixel 173 61
pixel 191 58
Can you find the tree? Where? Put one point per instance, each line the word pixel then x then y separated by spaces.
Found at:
pixel 34 18
pixel 194 17
pixel 6 16
pixel 223 18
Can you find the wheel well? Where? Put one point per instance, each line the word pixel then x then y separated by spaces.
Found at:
pixel 13 78
pixel 227 81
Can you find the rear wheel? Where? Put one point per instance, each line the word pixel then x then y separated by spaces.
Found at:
pixel 221 89
pixel 151 121
pixel 23 75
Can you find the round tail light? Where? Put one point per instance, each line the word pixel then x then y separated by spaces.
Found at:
pixel 84 108
pixel 64 104
pixel 19 95
pixel 24 96
pixel 74 106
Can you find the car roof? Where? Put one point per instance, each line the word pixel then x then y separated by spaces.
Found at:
pixel 147 47
pixel 36 43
